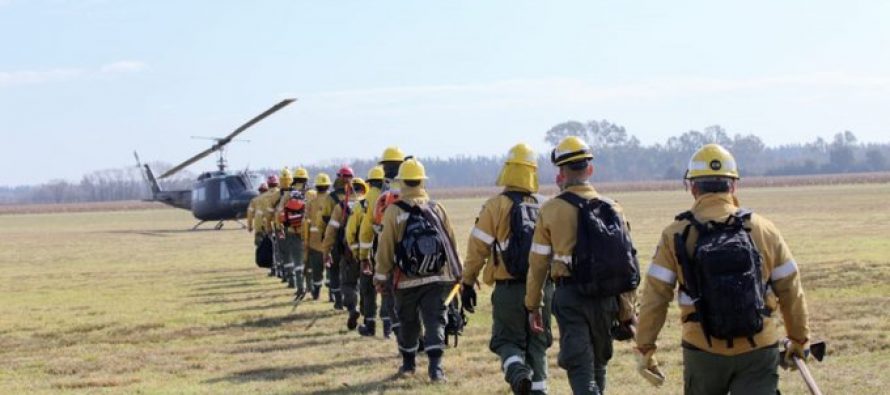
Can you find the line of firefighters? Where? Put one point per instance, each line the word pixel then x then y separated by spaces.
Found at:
pixel 570 257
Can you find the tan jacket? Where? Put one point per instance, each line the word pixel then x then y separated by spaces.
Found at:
pixel 664 275
pixel 554 245
pixel 255 220
pixel 314 223
pixel 394 223
pixel 333 227
pixel 366 233
pixel 489 237
pixel 353 226
pixel 265 208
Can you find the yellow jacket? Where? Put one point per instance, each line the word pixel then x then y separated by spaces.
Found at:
pixel 777 265
pixel 335 222
pixel 554 244
pixel 491 233
pixel 394 223
pixel 315 221
pixel 255 220
pixel 265 208
pixel 279 209
pixel 353 225
pixel 366 233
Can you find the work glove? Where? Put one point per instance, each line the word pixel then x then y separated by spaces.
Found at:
pixel 647 366
pixel 793 348
pixel 380 286
pixel 327 260
pixel 468 297
pixel 626 330
pixel 536 321
pixel 249 229
pixel 366 267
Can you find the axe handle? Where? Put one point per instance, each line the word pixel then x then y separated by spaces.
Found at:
pixel 807 377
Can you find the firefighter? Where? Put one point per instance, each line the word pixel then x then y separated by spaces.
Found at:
pixel 368 296
pixel 502 252
pixel 300 189
pixel 341 196
pixel 313 226
pixel 254 225
pixel 739 355
pixel 584 318
pixel 371 227
pixel 416 249
pixel 284 253
pixel 265 210
pixel 346 237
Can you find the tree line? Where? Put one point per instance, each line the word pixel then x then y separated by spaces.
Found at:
pixel 618 156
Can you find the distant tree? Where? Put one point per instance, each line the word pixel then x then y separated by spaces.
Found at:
pixel 841 156
pixel 875 160
pixel 565 129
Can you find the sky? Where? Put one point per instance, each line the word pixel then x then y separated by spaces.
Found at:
pixel 84 83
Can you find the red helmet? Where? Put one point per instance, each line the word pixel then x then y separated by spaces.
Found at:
pixel 345 171
pixel 264 187
pixel 272 181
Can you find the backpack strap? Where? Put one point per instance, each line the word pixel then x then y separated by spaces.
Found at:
pixel 572 199
pixel 404 206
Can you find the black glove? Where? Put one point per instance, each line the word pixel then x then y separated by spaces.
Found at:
pixel 468 297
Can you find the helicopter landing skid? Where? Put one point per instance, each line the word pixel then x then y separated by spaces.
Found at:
pixel 219 225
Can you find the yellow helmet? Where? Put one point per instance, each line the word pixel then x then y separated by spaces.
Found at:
pixel 520 169
pixel 301 173
pixel 359 182
pixel 322 180
pixel 712 160
pixel 376 173
pixel 392 154
pixel 571 149
pixel 286 179
pixel 522 154
pixel 411 170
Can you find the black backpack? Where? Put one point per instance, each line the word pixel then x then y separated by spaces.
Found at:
pixel 522 230
pixel 604 259
pixel 723 277
pixel 421 251
pixel 340 246
pixel 264 253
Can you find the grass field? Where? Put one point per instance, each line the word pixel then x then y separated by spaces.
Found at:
pixel 129 302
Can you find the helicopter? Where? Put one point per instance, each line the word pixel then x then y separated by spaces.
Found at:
pixel 216 195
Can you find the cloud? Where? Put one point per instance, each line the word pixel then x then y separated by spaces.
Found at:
pixel 123 66
pixel 33 77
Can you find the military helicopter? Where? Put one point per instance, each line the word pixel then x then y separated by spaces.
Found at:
pixel 216 195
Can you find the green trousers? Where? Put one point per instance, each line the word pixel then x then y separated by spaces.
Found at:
pixel 425 305
pixel 521 351
pixel 294 258
pixel 368 294
pixel 349 277
pixel 316 264
pixel 754 373
pixel 585 342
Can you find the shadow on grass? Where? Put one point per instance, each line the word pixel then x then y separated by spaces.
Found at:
pixel 301 345
pixel 255 308
pixel 293 372
pixel 270 322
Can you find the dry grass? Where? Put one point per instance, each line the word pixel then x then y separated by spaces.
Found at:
pixel 130 302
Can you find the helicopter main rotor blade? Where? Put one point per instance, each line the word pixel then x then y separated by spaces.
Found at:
pixel 225 140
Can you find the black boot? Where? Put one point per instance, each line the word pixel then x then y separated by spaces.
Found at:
pixel 408 365
pixel 272 271
pixel 290 281
pixel 316 292
pixel 520 379
pixel 387 328
pixel 338 301
pixel 436 372
pixel 330 295
pixel 300 295
pixel 352 321
pixel 370 327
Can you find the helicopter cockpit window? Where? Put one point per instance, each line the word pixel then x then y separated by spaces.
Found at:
pixel 199 194
pixel 235 185
pixel 223 192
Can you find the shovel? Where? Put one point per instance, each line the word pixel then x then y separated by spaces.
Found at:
pixel 817 350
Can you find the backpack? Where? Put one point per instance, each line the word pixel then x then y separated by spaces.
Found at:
pixel 723 277
pixel 421 251
pixel 264 253
pixel 294 211
pixel 604 260
pixel 522 229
